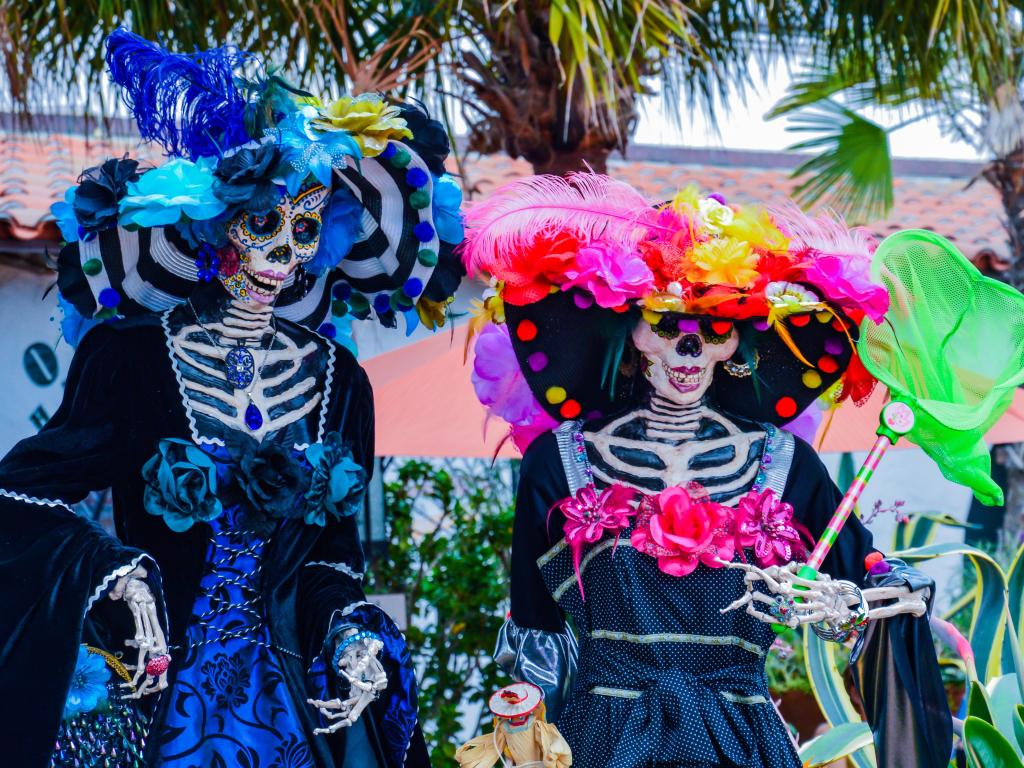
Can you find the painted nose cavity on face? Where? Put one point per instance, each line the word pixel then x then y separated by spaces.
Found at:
pixel 282 254
pixel 272 245
pixel 680 369
pixel 690 345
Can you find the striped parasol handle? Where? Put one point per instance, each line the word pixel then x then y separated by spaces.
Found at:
pixel 895 420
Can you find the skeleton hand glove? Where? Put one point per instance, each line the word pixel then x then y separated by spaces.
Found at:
pixel 153 660
pixel 834 608
pixel 356 659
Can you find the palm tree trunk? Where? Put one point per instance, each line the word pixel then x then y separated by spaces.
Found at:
pixel 1006 174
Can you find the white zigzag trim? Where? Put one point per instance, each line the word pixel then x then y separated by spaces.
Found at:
pixel 117 573
pixel 35 500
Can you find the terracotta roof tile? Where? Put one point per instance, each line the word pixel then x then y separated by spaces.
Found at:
pixel 35 170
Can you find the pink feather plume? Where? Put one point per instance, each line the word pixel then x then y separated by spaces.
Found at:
pixel 826 233
pixel 588 205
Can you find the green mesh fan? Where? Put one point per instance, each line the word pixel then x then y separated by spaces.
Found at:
pixel 951 347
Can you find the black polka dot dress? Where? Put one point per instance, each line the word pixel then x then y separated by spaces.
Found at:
pixel 664 678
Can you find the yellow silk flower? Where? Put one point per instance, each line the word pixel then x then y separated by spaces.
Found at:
pixel 371 121
pixel 433 313
pixel 755 225
pixel 722 261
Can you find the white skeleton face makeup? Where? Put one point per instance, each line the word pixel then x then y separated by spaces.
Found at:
pixel 680 354
pixel 271 246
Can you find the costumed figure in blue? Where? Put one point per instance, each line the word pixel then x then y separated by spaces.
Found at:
pixel 207 297
pixel 646 356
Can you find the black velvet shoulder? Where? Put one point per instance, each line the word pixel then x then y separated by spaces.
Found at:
pixel 542 484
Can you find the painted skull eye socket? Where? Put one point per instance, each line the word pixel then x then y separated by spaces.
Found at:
pixel 305 230
pixel 715 331
pixel 667 327
pixel 263 225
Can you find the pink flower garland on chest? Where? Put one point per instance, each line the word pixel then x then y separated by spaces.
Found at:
pixel 682 527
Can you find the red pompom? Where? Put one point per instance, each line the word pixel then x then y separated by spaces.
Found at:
pixel 570 409
pixel 827 364
pixel 786 407
pixel 526 330
pixel 870 560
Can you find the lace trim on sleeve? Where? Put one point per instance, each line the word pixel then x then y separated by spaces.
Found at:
pixel 35 500
pixel 117 573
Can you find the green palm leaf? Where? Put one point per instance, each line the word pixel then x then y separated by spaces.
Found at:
pixel 852 171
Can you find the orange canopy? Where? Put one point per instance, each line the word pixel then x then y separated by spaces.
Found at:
pixel 425 406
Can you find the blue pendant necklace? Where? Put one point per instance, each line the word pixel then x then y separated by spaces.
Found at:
pixel 241 371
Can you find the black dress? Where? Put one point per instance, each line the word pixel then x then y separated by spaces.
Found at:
pixel 663 678
pixel 122 397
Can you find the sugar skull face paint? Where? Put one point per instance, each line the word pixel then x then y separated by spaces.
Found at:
pixel 272 245
pixel 680 354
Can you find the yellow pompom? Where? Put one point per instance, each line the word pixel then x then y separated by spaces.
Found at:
pixel 556 395
pixel 812 379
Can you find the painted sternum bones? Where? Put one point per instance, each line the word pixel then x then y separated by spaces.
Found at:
pixel 271 245
pixel 283 383
pixel 677 436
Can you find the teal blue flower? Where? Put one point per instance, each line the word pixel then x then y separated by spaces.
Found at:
pixel 447 209
pixel 181 485
pixel 175 189
pixel 88 689
pixel 338 481
pixel 73 324
pixel 64 213
pixel 310 151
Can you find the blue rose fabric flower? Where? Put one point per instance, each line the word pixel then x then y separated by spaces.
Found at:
pixel 99 191
pixel 247 178
pixel 177 188
pixel 270 477
pixel 88 689
pixel 338 481
pixel 181 485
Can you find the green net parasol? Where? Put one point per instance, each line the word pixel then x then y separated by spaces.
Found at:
pixel 951 347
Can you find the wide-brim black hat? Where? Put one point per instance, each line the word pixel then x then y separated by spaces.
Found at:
pixel 130 272
pixel 579 360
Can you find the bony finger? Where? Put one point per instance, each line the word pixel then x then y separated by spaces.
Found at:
pixel 322 703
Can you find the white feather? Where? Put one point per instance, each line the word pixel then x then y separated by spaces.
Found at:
pixel 588 205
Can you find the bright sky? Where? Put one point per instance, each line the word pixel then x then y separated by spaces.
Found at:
pixel 743 126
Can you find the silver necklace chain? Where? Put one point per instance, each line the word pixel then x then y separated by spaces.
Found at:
pixel 259 371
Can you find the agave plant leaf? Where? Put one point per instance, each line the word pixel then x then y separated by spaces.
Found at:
pixel 986 747
pixel 1015 594
pixel 841 741
pixel 1004 697
pixel 1018 727
pixel 988 622
pixel 852 171
pixel 978 704
pixel 829 690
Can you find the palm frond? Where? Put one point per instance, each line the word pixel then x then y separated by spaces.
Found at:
pixel 852 171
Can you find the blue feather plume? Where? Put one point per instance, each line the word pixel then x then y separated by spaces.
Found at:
pixel 189 103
